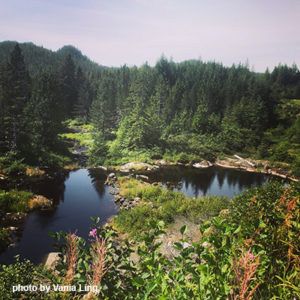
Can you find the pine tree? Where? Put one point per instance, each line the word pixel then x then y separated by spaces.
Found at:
pixel 103 110
pixel 84 97
pixel 15 93
pixel 68 85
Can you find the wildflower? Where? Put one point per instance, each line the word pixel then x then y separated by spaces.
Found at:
pixel 205 244
pixel 93 232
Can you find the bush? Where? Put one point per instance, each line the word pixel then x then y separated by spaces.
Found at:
pixel 166 204
pixel 14 201
pixel 5 239
pixel 18 273
pixel 134 221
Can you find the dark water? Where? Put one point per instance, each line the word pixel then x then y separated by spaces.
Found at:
pixel 211 181
pixel 82 194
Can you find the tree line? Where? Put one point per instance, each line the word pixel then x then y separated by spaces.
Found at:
pixel 188 109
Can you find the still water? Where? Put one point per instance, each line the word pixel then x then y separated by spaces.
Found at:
pixel 82 194
pixel 78 197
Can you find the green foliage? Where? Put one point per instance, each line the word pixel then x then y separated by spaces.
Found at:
pixel 20 273
pixel 164 205
pixel 5 239
pixel 14 201
pixel 11 164
pixel 98 151
pixel 185 112
pixel 269 218
pixel 251 252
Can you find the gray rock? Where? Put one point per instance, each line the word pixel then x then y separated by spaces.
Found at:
pixel 117 198
pixel 203 164
pixel 52 260
pixel 102 168
pixel 142 177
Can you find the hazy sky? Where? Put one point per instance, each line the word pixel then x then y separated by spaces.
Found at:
pixel 115 32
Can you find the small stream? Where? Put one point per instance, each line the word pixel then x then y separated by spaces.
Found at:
pixel 82 194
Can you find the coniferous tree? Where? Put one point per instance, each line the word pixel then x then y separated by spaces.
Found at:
pixel 15 93
pixel 84 97
pixel 68 85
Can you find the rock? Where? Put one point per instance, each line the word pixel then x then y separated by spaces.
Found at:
pixel 112 192
pixel 12 228
pixel 52 260
pixel 203 164
pixel 161 162
pixel 40 202
pixel 150 204
pixel 117 198
pixel 132 166
pixel 137 199
pixel 142 177
pixel 102 168
pixel 111 179
pixel 13 219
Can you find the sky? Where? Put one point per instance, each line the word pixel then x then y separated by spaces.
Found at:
pixel 261 33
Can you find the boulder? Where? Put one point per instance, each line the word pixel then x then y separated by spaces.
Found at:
pixel 102 168
pixel 52 260
pixel 132 166
pixel 161 162
pixel 203 164
pixel 40 202
pixel 142 177
pixel 117 198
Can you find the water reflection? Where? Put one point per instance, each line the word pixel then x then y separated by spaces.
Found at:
pixel 82 194
pixel 212 181
pixel 78 197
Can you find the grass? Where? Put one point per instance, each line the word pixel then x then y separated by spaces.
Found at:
pixel 84 138
pixel 165 205
pixel 15 201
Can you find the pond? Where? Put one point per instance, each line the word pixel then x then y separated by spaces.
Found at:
pixel 82 194
pixel 78 197
pixel 208 181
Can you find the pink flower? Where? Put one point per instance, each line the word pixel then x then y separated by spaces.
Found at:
pixel 93 232
pixel 251 256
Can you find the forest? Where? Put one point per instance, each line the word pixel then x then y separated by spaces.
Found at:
pixel 246 247
pixel 179 111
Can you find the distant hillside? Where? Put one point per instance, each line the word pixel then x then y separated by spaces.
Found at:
pixel 37 57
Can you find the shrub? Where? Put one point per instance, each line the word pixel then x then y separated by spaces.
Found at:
pixel 21 272
pixel 14 201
